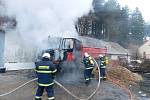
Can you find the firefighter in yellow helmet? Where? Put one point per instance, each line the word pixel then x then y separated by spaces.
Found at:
pixel 89 65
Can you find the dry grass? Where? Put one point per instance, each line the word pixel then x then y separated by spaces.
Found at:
pixel 123 75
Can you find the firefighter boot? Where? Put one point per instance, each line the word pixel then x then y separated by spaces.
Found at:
pixel 104 78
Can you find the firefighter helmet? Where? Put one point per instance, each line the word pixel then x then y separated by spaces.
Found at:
pixel 86 54
pixel 100 55
pixel 46 55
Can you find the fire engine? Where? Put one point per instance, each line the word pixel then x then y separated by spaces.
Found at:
pixel 71 49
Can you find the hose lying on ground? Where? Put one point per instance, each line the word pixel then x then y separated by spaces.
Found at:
pixel 78 98
pixel 18 88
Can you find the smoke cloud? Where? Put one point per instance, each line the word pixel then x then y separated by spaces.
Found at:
pixel 37 19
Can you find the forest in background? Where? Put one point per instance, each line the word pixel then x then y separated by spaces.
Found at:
pixel 111 22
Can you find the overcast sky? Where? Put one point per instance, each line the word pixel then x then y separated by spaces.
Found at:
pixel 143 5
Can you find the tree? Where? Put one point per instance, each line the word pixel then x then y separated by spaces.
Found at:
pixel 137 26
pixel 98 5
pixel 111 19
pixel 147 29
pixel 109 22
pixel 124 29
pixel 86 25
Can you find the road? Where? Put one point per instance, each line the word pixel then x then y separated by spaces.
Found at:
pixel 11 80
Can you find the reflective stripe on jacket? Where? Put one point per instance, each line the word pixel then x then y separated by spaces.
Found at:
pixel 46 84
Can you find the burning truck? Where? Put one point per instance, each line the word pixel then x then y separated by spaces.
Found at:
pixel 71 50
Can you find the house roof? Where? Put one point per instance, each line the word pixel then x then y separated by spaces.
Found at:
pixel 113 48
pixel 146 44
pixel 145 48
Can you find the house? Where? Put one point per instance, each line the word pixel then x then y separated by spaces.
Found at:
pixel 5 22
pixel 144 50
pixel 18 54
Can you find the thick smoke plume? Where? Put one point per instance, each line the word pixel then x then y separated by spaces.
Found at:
pixel 37 19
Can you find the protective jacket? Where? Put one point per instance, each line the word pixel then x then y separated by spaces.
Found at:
pixel 88 62
pixel 45 72
pixel 102 62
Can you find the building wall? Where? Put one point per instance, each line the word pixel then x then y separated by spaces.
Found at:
pixel 2 43
pixel 145 48
pixel 18 54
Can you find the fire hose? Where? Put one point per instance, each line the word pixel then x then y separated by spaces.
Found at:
pixel 78 98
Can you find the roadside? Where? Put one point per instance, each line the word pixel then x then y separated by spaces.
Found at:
pixel 142 89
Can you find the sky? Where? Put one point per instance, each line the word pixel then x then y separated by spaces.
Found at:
pixel 143 5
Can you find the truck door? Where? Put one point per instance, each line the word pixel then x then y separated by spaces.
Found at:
pixel 67 48
pixel 70 47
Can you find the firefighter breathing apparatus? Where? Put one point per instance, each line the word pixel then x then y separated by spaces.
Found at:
pixel 59 84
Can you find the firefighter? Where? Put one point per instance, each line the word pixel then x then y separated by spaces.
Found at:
pixel 89 65
pixel 45 70
pixel 102 65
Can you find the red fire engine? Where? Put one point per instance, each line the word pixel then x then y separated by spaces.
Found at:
pixel 71 49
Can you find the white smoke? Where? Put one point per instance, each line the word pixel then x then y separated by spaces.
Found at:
pixel 37 19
